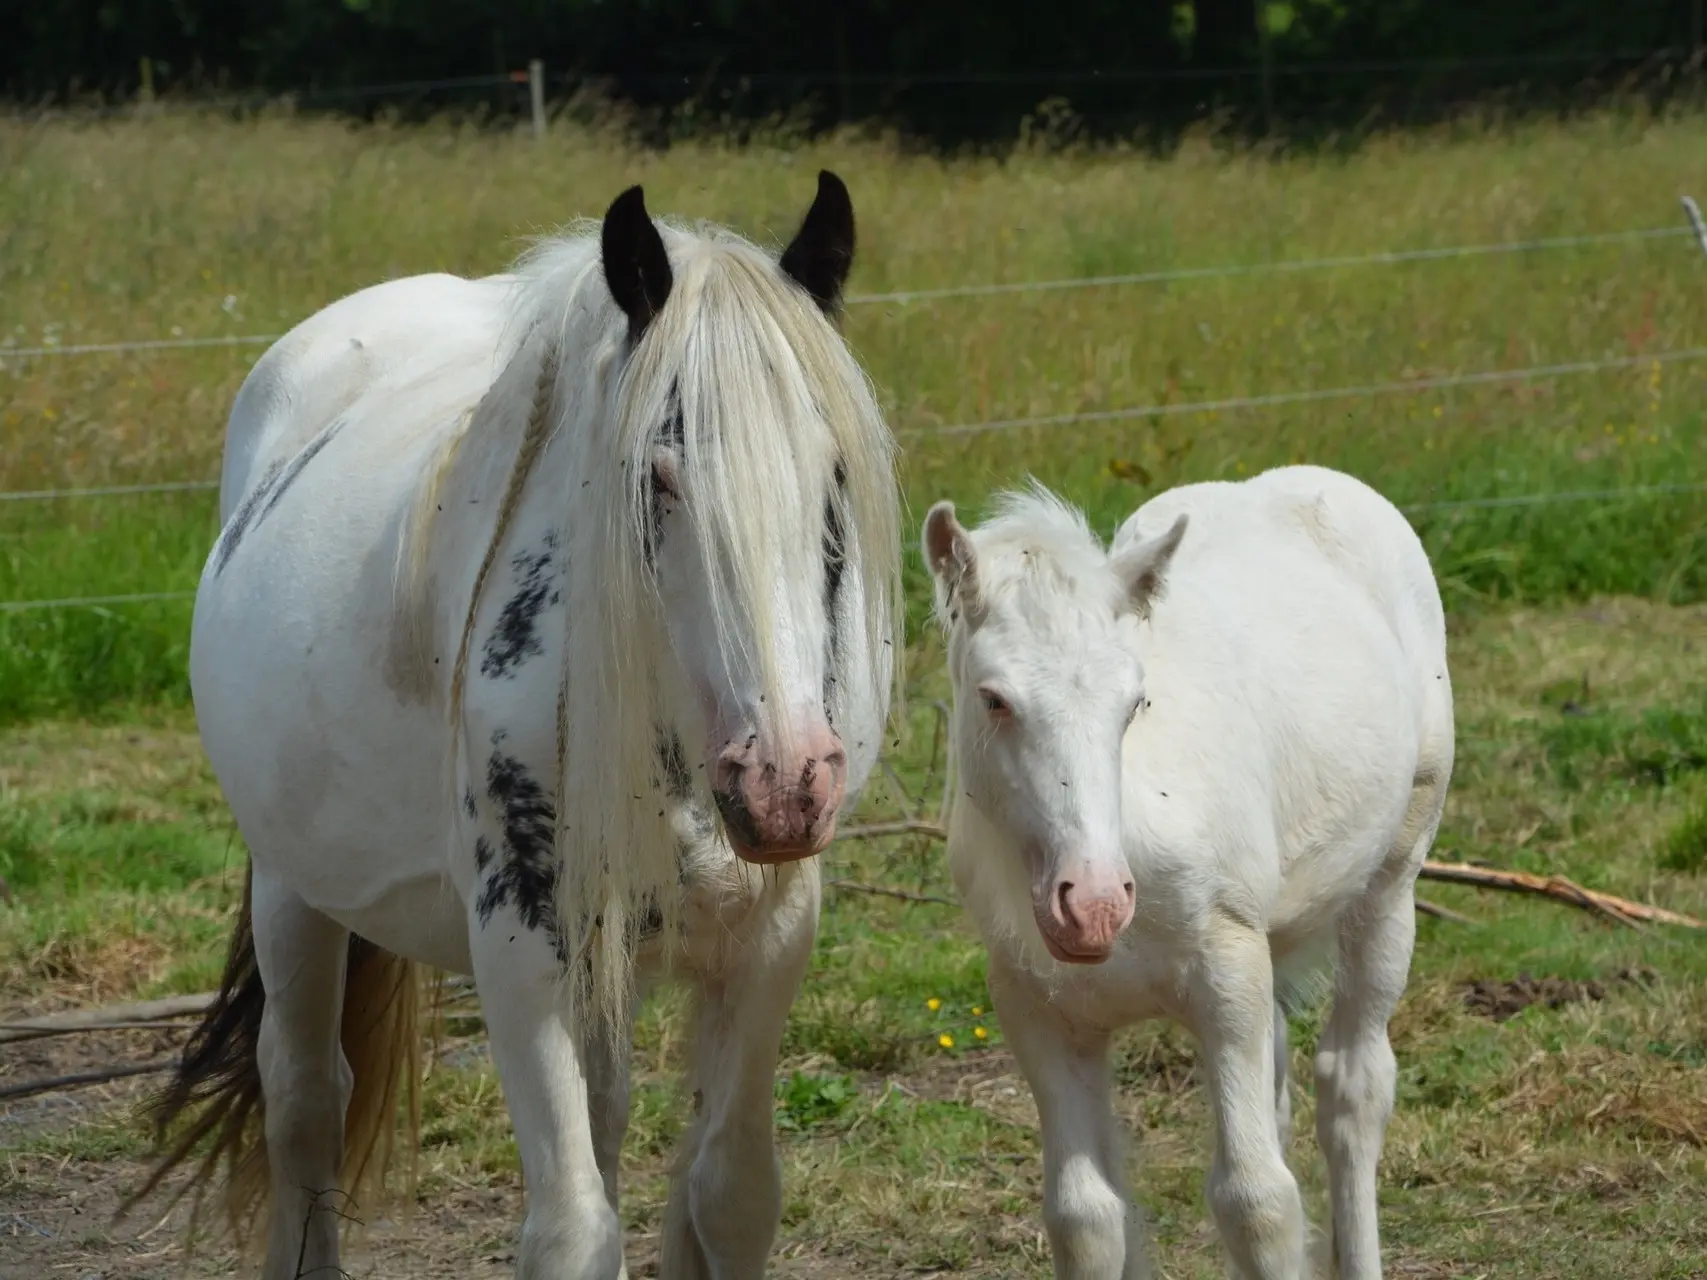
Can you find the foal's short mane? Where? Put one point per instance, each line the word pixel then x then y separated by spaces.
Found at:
pixel 1037 542
pixel 771 402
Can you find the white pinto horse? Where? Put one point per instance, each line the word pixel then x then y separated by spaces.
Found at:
pixel 551 624
pixel 1189 768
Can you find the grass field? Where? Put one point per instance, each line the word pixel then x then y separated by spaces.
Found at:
pixel 1562 1138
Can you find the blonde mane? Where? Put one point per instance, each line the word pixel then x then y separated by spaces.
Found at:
pixel 768 394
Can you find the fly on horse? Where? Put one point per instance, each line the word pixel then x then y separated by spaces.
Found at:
pixel 552 623
pixel 1191 767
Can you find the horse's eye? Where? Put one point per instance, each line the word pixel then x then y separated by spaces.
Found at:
pixel 664 481
pixel 995 704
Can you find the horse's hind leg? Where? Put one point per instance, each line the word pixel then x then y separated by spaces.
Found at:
pixel 608 1052
pixel 1355 1069
pixel 1282 1091
pixel 305 1079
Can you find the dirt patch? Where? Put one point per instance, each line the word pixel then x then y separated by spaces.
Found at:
pixel 1503 999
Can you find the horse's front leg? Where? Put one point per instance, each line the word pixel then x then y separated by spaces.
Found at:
pixel 571 1230
pixel 727 1200
pixel 1094 1230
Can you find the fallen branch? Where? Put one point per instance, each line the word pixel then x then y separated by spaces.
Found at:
pixel 112 1017
pixel 100 1076
pixel 1427 908
pixel 904 827
pixel 1558 888
pixel 883 891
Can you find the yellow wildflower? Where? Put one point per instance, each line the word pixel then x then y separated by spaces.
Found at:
pixel 933 1004
pixel 945 1040
pixel 977 1011
pixel 980 1033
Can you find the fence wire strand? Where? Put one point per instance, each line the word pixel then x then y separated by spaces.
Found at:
pixel 903 297
pixel 1273 399
pixel 1227 404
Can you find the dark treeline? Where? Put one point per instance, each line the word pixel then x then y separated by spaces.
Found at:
pixel 948 69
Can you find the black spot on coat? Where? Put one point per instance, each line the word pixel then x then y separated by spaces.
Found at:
pixel 526 876
pixel 515 637
pixel 673 766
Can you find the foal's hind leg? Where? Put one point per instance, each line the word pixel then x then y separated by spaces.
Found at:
pixel 726 1202
pixel 1355 1069
pixel 304 1078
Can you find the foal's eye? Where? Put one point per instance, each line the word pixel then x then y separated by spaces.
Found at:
pixel 995 704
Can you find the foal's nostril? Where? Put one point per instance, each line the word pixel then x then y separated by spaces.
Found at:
pixel 1131 892
pixel 1063 906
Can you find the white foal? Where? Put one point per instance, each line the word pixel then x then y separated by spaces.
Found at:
pixel 1189 767
pixel 550 610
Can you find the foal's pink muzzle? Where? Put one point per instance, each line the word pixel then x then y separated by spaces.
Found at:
pixel 1082 907
pixel 780 806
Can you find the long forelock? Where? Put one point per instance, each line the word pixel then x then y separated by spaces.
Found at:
pixel 771 403
pixel 771 399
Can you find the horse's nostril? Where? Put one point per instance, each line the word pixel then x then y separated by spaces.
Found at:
pixel 1061 899
pixel 1131 891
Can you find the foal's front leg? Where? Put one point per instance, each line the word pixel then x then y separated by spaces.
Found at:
pixel 571 1231
pixel 726 1202
pixel 1252 1193
pixel 1094 1230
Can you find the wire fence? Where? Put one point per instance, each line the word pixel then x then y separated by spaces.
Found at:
pixel 902 297
pixel 1490 377
pixel 1411 509
pixel 823 78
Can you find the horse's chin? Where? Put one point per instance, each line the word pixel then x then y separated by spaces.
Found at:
pixel 775 855
pixel 1065 956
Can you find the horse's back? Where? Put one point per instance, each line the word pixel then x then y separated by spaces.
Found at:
pixel 1301 643
pixel 299 626
pixel 1304 520
pixel 344 351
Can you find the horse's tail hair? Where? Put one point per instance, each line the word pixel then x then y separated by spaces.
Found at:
pixel 216 1087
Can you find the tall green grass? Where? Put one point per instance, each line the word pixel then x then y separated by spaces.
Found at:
pixel 209 227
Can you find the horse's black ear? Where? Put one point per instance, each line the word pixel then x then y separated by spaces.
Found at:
pixel 637 270
pixel 822 253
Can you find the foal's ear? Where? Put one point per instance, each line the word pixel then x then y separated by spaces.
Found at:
pixel 637 270
pixel 821 254
pixel 951 556
pixel 1143 566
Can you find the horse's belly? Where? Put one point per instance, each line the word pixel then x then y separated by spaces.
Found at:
pixel 423 920
pixel 336 779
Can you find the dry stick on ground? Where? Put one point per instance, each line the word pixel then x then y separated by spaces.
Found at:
pixel 147 1013
pixel 884 891
pixel 1427 908
pixel 1558 888
pixel 99 1076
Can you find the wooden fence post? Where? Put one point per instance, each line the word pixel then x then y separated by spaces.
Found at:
pixel 536 96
